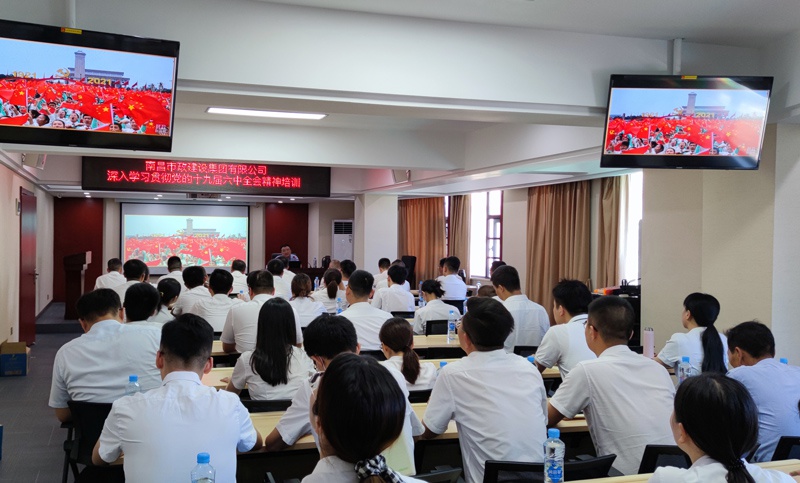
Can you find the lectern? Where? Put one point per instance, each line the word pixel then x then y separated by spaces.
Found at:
pixel 74 271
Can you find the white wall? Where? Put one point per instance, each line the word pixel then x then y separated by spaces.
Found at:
pixel 320 226
pixel 375 229
pixel 44 249
pixel 515 232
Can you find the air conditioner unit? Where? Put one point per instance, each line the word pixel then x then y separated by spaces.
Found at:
pixel 342 243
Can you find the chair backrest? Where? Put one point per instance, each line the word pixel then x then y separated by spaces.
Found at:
pixel 656 455
pixel 513 471
pixel 411 267
pixel 376 354
pixel 420 396
pixel 525 350
pixel 267 406
pixel 445 475
pixel 403 314
pixel 459 304
pixel 88 419
pixel 436 327
pixel 788 448
pixel 445 353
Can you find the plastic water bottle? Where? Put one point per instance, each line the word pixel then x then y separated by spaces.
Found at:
pixel 451 328
pixel 553 457
pixel 421 298
pixel 532 359
pixel 684 369
pixel 477 287
pixel 784 361
pixel 338 305
pixel 203 472
pixel 316 279
pixel 133 385
pixel 439 370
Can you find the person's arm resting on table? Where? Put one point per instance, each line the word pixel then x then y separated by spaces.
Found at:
pixel 441 409
pixel 570 399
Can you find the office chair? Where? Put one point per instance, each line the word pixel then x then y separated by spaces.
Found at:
pixel 512 471
pixel 788 448
pixel 656 455
pixel 254 406
pixel 436 327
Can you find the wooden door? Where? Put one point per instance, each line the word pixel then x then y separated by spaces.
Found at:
pixel 27 267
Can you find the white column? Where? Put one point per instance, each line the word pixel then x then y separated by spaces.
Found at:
pixel 515 231
pixel 375 230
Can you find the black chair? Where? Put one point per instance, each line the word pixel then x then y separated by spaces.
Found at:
pixel 445 353
pixel 268 478
pixel 411 264
pixel 788 448
pixel 656 455
pixel 68 443
pixel 254 406
pixel 441 475
pixel 431 454
pixel 525 350
pixel 402 314
pixel 326 262
pixel 88 420
pixel 375 354
pixel 436 327
pixel 228 360
pixel 459 304
pixel 217 335
pixel 512 471
pixel 752 454
pixel 420 396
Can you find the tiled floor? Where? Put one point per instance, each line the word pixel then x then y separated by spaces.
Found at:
pixel 32 436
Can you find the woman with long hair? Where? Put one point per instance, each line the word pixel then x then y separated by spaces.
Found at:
pixel 330 290
pixel 169 289
pixel 397 344
pixel 276 368
pixel 307 308
pixel 359 411
pixel 715 422
pixel 706 348
pixel 434 308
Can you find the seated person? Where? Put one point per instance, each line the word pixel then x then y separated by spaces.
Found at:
pixel 358 412
pixel 331 291
pixel 282 289
pixel 531 321
pixel 141 303
pixel 113 277
pixel 175 271
pixel 160 432
pixel 214 310
pixel 194 278
pixel 454 288
pixel 95 366
pixel 565 343
pixel 384 282
pixel 383 266
pixel 347 267
pixel 134 271
pixel 306 308
pixel 276 368
pixel 627 398
pixel 394 298
pixel 397 344
pixel 715 422
pixel 497 399
pixel 168 290
pixel 286 252
pixel 488 291
pixel 238 268
pixel 706 348
pixel 775 387
pixel 367 319
pixel 434 308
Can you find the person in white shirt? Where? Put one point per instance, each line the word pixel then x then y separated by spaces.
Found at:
pixel 238 268
pixel 215 310
pixel 434 308
pixel 775 387
pixel 706 348
pixel 358 412
pixel 383 266
pixel 194 278
pixel 367 319
pixel 241 325
pixel 175 271
pixel 162 431
pixel 715 422
pixel 141 303
pixel 394 298
pixel 113 277
pixel 564 344
pixel 384 281
pixel 347 267
pixel 497 399
pixel 307 309
pixel 397 344
pixel 627 398
pixel 331 291
pixel 531 321
pixel 168 290
pixel 282 289
pixel 95 366
pixel 454 288
pixel 135 271
pixel 276 368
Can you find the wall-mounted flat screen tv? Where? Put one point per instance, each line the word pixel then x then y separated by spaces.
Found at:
pixel 70 87
pixel 692 122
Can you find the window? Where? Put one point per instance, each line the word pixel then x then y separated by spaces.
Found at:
pixel 486 231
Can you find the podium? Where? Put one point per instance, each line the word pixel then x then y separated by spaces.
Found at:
pixel 74 271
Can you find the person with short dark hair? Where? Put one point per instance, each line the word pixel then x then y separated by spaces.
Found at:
pixel 306 308
pixel 441 266
pixel 331 291
pixel 627 398
pixel 775 387
pixel 531 321
pixel 495 265
pixel 214 310
pixel 489 292
pixel 716 424
pixel 168 290
pixel 434 308
pixel 95 366
pixel 238 269
pixel 194 278
pixel 394 298
pixel 161 432
pixel 367 319
pixel 134 271
pixel 383 266
pixel 286 252
pixel 175 271
pixel 384 282
pixel 564 344
pixel 347 267
pixel 113 276
pixel 397 344
pixel 359 412
pixel 282 289
pixel 497 399
pixel 141 303
pixel 453 286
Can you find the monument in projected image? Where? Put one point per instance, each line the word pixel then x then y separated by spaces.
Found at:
pixel 208 241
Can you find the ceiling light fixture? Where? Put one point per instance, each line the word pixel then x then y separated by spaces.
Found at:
pixel 281 201
pixel 258 113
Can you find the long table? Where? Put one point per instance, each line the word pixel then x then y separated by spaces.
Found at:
pixel 785 466
pixel 420 342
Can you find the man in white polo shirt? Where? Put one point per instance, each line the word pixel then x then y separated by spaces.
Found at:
pixel 367 319
pixel 194 278
pixel 627 398
pixel 113 277
pixel 238 267
pixel 134 271
pixel 497 399
pixel 175 271
pixel 381 276
pixel 282 289
pixel 531 321
pixel 564 344
pixel 394 297
pixel 454 288
pixel 215 309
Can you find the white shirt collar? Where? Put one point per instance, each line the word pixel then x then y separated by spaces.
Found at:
pixel 186 376
pixel 579 318
pixel 615 350
pixel 104 325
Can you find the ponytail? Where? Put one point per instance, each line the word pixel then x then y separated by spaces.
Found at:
pixel 410 365
pixel 332 279
pixel 737 472
pixel 713 360
pixel 704 309
pixel 398 335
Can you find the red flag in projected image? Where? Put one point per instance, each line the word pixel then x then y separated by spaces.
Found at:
pixel 14 121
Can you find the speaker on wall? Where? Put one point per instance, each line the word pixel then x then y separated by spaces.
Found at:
pixel 34 160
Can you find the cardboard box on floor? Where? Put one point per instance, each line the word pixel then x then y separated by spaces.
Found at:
pixel 14 359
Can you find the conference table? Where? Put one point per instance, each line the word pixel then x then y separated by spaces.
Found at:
pixel 420 342
pixel 784 466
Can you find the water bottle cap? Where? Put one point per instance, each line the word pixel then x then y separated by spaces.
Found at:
pixel 784 360
pixel 531 359
pixel 553 433
pixel 133 378
pixel 203 458
pixel 442 364
pixel 685 359
pixel 452 312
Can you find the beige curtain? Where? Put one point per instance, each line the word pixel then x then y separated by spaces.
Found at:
pixel 608 240
pixel 558 238
pixel 458 235
pixel 420 233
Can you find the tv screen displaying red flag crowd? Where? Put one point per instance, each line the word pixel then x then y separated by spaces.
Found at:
pixel 671 121
pixel 71 92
